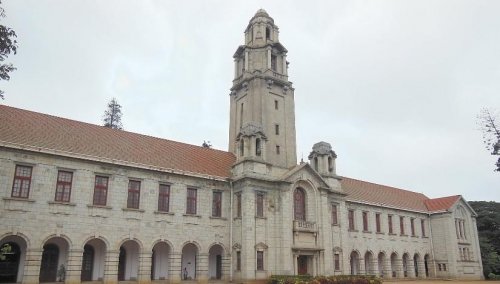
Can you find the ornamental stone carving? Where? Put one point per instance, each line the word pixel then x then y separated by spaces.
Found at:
pixel 322 148
pixel 251 129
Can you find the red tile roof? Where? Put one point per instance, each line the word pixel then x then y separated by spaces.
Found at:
pixel 46 133
pixel 440 204
pixel 367 192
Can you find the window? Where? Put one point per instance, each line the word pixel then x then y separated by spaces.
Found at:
pixel 351 219
pixel 277 150
pixel 299 204
pixel 365 221
pixel 134 193
pixel 100 190
pixel 22 182
pixel 242 147
pixel 258 147
pixel 241 106
pixel 337 261
pixel 335 219
pixel 191 201
pixel 63 186
pixel 277 129
pixel 268 33
pixel 412 224
pixel 444 267
pixel 238 260
pixel 274 62
pixel 259 200
pixel 389 222
pixel 422 225
pixel 238 205
pixel 402 225
pixel 217 204
pixel 260 260
pixel 276 105
pixel 439 266
pixel 164 198
pixel 377 222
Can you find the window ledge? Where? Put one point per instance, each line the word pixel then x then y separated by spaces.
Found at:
pixel 261 217
pixel 414 236
pixel 403 235
pixel 61 203
pixel 133 210
pixel 218 218
pixel 99 206
pixel 368 232
pixel 335 224
pixel 164 213
pixel 392 234
pixel 352 230
pixel 18 199
pixel 381 233
pixel 425 237
pixel 237 218
pixel 191 215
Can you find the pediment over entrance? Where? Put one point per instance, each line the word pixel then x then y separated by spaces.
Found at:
pixel 304 172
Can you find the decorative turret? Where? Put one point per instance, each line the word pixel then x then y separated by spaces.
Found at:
pixel 322 159
pixel 262 97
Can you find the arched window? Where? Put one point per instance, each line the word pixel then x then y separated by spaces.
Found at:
pixel 299 204
pixel 258 149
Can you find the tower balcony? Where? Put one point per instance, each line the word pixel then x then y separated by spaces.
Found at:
pixel 304 226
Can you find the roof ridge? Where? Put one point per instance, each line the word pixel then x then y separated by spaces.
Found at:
pixel 110 129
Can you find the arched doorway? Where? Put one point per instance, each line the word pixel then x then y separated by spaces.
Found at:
pixel 394 267
pixel 50 259
pixel 416 261
pixel 215 262
pixel 9 262
pixel 369 263
pixel 189 261
pixel 405 264
pixel 354 263
pixel 128 261
pixel 299 204
pixel 160 264
pixel 426 265
pixel 93 257
pixel 381 264
pixel 54 255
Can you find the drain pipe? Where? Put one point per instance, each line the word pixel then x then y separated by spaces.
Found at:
pixel 231 231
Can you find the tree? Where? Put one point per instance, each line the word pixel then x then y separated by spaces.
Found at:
pixel 489 125
pixel 113 115
pixel 8 45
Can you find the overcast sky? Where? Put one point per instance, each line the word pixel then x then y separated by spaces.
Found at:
pixel 394 86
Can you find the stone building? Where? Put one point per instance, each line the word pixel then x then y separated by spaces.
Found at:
pixel 81 202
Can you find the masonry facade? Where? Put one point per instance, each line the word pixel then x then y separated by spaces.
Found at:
pixel 82 202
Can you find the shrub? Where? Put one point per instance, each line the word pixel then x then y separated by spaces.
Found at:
pixel 339 279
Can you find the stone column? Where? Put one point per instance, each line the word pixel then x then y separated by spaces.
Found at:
pixel 387 268
pixel 202 268
pixel 411 268
pixel 174 268
pixel 284 64
pixel 398 263
pixel 226 267
pixel 144 276
pixel 74 266
pixel 32 266
pixel 361 266
pixel 268 58
pixel 246 60
pixel 111 267
pixel 421 269
pixel 295 264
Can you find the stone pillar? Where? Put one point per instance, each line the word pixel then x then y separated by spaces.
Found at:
pixel 284 64
pixel 174 268
pixel 32 266
pixel 421 269
pixel 361 266
pixel 144 276
pixel 74 266
pixel 111 267
pixel 269 58
pixel 226 267
pixel 246 60
pixel 398 263
pixel 296 264
pixel 410 268
pixel 202 268
pixel 387 268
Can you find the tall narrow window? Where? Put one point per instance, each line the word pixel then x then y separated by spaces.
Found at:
pixel 63 186
pixel 337 261
pixel 402 225
pixel 238 205
pixel 241 106
pixel 258 147
pixel 316 166
pixel 100 190
pixel 299 204
pixel 260 260
pixel 330 165
pixel 365 221
pixel 276 105
pixel 164 198
pixel 242 147
pixel 259 200
pixel 134 193
pixel 191 201
pixel 238 260
pixel 350 215
pixel 277 129
pixel 389 223
pixel 335 217
pixel 268 33
pixel 274 62
pixel 422 225
pixel 377 222
pixel 22 182
pixel 412 225
pixel 277 150
pixel 217 204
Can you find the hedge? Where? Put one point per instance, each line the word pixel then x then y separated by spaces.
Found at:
pixel 339 279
